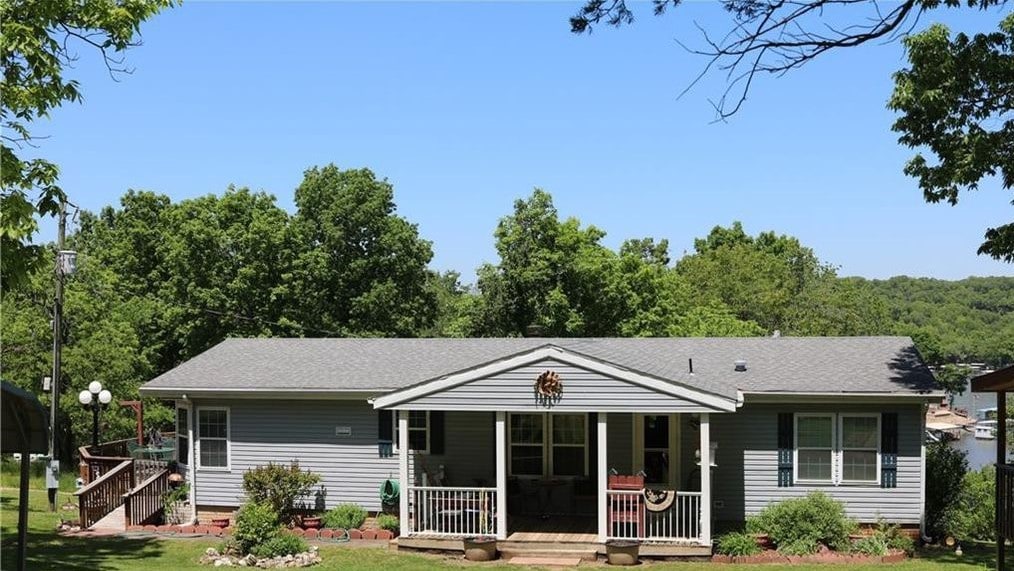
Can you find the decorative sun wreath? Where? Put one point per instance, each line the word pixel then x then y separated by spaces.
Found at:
pixel 548 384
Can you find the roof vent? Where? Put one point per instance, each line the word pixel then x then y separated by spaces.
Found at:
pixel 740 364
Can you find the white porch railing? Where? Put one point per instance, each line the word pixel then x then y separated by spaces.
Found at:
pixel 629 518
pixel 451 511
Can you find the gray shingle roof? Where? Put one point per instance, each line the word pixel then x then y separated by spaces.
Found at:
pixel 785 364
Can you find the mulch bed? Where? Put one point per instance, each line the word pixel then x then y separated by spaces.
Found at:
pixel 312 534
pixel 772 556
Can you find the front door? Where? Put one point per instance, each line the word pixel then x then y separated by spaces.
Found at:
pixel 656 449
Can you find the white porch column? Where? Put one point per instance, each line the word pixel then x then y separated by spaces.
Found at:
pixel 403 483
pixel 705 479
pixel 603 477
pixel 501 474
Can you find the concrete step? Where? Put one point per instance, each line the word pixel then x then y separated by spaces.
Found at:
pixel 546 561
pixel 511 553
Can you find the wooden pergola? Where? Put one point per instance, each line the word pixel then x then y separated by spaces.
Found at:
pixel 1001 382
pixel 25 430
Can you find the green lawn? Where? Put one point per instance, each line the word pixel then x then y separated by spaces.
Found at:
pixel 47 550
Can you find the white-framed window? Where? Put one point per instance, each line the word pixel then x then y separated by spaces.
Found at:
pixel 418 430
pixel 182 433
pixel 815 448
pixel 837 448
pixel 860 448
pixel 548 445
pixel 213 438
pixel 527 438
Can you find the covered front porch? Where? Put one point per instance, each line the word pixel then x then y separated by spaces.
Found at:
pixel 584 499
pixel 607 455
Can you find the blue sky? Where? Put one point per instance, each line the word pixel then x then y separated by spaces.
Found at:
pixel 465 107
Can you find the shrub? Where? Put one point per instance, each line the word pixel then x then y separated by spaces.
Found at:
pixel 801 524
pixel 973 514
pixel 738 543
pixel 346 516
pixel 945 469
pixel 870 545
pixel 801 546
pixel 388 522
pixel 256 525
pixel 278 486
pixel 281 544
pixel 894 537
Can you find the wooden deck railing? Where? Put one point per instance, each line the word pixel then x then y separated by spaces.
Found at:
pixel 452 511
pixel 143 504
pixel 105 494
pixel 1005 500
pixel 629 518
pixel 96 461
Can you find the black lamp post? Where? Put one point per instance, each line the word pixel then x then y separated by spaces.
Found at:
pixel 97 398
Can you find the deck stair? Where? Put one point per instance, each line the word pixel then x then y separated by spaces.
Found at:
pixel 548 552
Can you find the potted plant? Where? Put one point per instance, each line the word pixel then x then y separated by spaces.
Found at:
pixel 310 522
pixel 480 548
pixel 622 551
pixel 174 503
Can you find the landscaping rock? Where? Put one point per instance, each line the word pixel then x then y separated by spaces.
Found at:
pixel 214 558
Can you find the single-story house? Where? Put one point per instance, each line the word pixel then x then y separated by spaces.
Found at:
pixel 657 439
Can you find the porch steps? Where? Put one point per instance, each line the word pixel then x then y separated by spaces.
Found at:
pixel 545 561
pixel 565 556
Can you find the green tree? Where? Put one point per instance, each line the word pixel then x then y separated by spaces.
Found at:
pixel 37 43
pixel 557 276
pixel 777 283
pixel 360 269
pixel 955 101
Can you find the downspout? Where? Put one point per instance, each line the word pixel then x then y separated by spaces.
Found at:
pixel 191 456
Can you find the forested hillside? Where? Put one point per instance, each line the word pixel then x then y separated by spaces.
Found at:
pixel 160 282
pixel 970 320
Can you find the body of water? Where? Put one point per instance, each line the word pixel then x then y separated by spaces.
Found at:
pixel 980 452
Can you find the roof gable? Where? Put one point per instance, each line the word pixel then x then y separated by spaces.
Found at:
pixel 513 377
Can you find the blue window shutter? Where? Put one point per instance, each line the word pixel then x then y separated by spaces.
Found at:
pixel 785 446
pixel 889 450
pixel 385 433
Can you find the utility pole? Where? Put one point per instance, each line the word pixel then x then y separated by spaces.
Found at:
pixel 53 474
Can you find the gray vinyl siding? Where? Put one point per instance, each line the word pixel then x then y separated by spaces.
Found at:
pixel 351 467
pixel 583 391
pixel 745 479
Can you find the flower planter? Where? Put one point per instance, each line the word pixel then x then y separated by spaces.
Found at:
pixel 310 523
pixel 480 548
pixel 622 552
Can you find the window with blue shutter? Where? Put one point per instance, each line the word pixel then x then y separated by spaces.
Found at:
pixel 785 449
pixel 889 450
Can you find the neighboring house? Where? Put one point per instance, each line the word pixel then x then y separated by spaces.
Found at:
pixel 728 425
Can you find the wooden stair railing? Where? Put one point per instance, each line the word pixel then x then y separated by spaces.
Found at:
pixel 144 505
pixel 102 496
